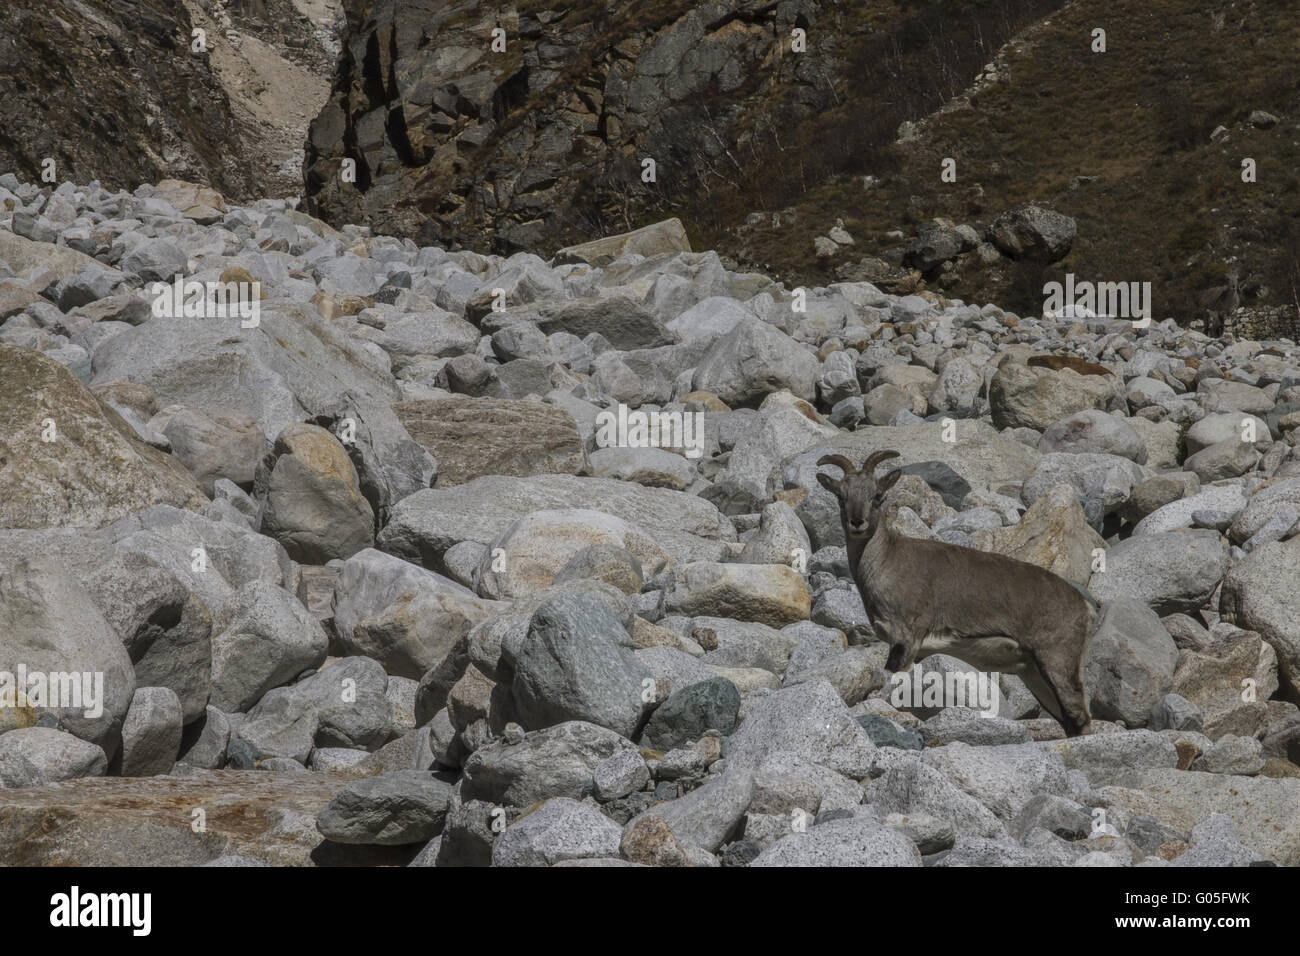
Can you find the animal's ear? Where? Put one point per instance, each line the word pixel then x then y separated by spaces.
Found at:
pixel 830 484
pixel 887 482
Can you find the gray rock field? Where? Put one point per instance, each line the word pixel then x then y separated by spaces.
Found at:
pixel 429 557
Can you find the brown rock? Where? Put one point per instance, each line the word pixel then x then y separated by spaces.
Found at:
pixel 202 204
pixel 651 841
pixel 791 496
pixel 1277 767
pixel 147 821
pixel 471 437
pixel 710 401
pixel 645 634
pixel 13 299
pixel 1212 680
pixel 138 399
pixel 1036 397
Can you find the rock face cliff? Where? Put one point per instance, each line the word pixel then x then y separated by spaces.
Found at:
pixel 111 91
pixel 114 90
pixel 459 142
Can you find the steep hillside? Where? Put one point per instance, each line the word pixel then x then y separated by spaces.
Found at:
pixel 546 140
pixel 112 90
pixel 1122 141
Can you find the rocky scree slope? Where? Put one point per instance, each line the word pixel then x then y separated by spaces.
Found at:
pixel 369 581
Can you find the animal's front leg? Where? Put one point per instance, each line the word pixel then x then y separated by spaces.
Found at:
pixel 902 652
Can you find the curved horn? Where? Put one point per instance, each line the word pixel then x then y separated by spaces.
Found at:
pixel 839 460
pixel 875 458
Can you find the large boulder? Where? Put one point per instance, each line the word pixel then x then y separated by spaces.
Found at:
pixel 51 631
pixel 212 446
pixel 210 558
pixel 1213 429
pixel 808 719
pixel 1107 759
pixel 709 815
pixel 1053 534
pixel 311 497
pixel 1109 479
pixel 1173 572
pixel 652 467
pixel 165 627
pixel 342 705
pixel 668 236
pixel 917 789
pixel 1278 502
pixel 558 830
pixel 23 253
pixel 425 525
pixel 413 336
pixel 403 616
pixel 1033 230
pixel 771 594
pixel 1259 593
pixel 40 756
pixel 1024 396
pixel 758 454
pixel 1130 663
pixel 1229 499
pixel 151 733
pixel 201 204
pixel 622 322
pixel 557 761
pixel 67 458
pixel 1094 431
pixel 264 638
pixel 1229 458
pixel 575 664
pixel 1265 811
pixel 753 360
pixel 531 552
pixel 1213 679
pixel 391 809
pixel 99 821
pixel 689 712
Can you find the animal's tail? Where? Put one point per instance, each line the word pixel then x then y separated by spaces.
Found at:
pixel 1094 614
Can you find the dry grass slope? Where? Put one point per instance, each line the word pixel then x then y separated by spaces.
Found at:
pixel 1166 205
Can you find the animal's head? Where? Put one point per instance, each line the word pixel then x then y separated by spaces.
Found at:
pixel 858 490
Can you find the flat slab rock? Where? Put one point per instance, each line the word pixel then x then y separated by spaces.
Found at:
pixel 472 437
pixel 148 821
